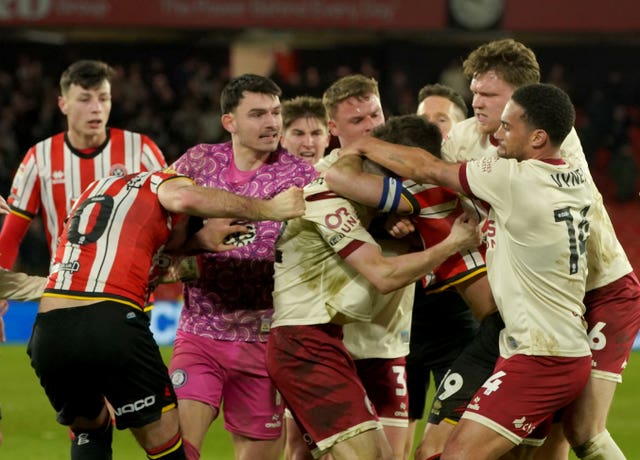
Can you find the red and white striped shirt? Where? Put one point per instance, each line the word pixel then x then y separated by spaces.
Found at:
pixel 439 208
pixel 112 240
pixel 53 174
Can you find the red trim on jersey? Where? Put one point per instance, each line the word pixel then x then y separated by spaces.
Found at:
pixel 322 196
pixel 553 161
pixel 14 228
pixel 350 248
pixel 464 181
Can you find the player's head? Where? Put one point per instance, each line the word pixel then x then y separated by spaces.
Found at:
pixel 496 69
pixel 233 93
pixel 442 105
pixel 353 106
pixel 86 74
pixel 85 99
pixel 305 132
pixel 412 131
pixel 536 120
pixel 251 112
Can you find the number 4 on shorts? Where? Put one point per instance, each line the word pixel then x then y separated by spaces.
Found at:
pixel 493 383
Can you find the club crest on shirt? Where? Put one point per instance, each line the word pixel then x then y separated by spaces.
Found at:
pixel 178 378
pixel 118 170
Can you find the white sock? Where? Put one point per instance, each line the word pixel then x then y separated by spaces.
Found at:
pixel 600 447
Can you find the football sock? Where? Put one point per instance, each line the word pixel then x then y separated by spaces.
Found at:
pixel 92 444
pixel 600 447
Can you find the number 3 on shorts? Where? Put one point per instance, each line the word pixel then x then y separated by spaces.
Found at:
pixel 401 389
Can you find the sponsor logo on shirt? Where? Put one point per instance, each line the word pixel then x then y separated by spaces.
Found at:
pixel 335 239
pixel 72 267
pixel 57 177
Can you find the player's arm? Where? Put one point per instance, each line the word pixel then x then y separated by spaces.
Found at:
pixel 181 195
pixel 409 162
pixel 390 273
pixel 13 231
pixel 20 286
pixel 347 178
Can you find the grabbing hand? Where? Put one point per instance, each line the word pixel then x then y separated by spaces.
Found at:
pixel 465 233
pixel 4 207
pixel 286 205
pixel 398 226
pixel 217 235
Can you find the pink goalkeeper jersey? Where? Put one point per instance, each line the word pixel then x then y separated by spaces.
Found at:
pixel 232 299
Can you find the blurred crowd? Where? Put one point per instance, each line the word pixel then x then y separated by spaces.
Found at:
pixel 172 96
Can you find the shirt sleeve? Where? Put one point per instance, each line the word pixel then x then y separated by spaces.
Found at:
pixel 25 189
pixel 489 179
pixel 152 157
pixel 19 286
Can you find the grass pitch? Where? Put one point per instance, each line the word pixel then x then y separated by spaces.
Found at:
pixel 31 432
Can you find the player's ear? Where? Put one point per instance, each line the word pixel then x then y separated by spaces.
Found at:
pixel 333 129
pixel 229 122
pixel 62 104
pixel 539 138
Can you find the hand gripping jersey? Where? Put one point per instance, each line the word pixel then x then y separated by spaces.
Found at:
pixel 53 174
pixel 536 233
pixel 112 240
pixel 232 298
pixel 439 208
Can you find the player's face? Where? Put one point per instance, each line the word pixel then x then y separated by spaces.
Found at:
pixel 307 138
pixel 490 95
pixel 439 111
pixel 355 118
pixel 256 123
pixel 87 112
pixel 514 133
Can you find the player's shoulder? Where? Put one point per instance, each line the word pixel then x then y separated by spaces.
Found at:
pixel 50 139
pixel 464 130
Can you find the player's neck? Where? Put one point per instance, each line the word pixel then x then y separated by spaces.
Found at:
pixel 247 159
pixel 80 142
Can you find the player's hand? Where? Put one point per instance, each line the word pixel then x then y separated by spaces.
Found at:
pixel 465 233
pixel 4 306
pixel 218 234
pixel 356 147
pixel 398 226
pixel 4 207
pixel 286 205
